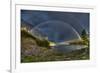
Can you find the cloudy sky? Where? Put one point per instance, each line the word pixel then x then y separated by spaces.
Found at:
pixel 62 21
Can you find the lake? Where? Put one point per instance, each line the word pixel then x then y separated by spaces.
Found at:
pixel 67 48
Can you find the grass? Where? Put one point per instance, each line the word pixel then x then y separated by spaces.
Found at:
pixel 42 51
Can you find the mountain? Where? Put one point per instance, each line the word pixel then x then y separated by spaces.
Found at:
pixel 36 50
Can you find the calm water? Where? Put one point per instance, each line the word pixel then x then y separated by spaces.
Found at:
pixel 67 48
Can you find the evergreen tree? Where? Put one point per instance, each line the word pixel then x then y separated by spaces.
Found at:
pixel 84 35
